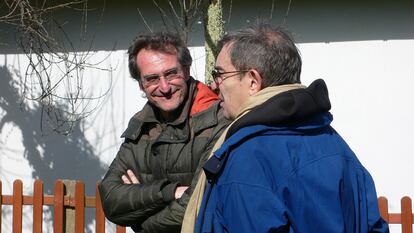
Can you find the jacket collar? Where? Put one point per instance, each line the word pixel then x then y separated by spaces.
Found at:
pixel 291 112
pixel 291 107
pixel 215 163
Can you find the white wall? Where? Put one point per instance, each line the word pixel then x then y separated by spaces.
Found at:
pixel 370 89
pixel 370 85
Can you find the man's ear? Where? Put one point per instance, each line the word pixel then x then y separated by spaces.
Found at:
pixel 255 81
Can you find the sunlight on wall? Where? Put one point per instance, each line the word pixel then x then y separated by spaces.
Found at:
pixel 369 84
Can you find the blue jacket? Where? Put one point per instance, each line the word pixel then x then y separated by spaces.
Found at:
pixel 289 176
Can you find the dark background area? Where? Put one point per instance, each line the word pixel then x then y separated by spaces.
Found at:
pixel 114 24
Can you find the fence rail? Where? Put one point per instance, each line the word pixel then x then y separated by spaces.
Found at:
pixel 60 202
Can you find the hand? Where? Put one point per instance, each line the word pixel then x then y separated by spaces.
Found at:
pixel 130 178
pixel 179 191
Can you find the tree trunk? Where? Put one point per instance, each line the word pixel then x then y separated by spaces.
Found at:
pixel 213 32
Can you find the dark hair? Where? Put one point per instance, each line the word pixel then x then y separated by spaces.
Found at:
pixel 160 41
pixel 270 50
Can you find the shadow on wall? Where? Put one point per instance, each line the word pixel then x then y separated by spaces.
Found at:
pixel 51 156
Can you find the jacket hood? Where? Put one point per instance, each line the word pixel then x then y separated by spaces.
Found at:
pixel 296 111
pixel 290 107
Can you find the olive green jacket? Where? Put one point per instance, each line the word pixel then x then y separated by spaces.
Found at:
pixel 162 155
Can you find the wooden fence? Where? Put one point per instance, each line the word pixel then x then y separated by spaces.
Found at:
pixel 405 217
pixel 79 202
pixel 60 203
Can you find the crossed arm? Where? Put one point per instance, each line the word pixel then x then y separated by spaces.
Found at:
pixel 157 206
pixel 130 178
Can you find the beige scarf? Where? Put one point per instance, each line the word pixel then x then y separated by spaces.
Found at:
pixel 194 203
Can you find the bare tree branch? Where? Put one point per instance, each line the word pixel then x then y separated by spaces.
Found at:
pixel 272 9
pixel 54 77
pixel 287 13
pixel 144 20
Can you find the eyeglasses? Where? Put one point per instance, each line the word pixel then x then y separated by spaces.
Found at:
pixel 217 75
pixel 169 75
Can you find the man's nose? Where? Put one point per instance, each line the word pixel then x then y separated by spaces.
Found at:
pixel 164 85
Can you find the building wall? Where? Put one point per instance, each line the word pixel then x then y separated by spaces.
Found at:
pixel 362 50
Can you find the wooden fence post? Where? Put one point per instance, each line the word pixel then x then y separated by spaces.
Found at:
pixel 383 207
pixel 38 206
pixel 17 206
pixel 99 214
pixel 79 207
pixel 69 214
pixel 58 203
pixel 406 215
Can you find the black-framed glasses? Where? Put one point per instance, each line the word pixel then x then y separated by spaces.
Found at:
pixel 169 75
pixel 218 76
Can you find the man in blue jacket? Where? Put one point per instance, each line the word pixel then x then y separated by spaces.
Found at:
pixel 280 167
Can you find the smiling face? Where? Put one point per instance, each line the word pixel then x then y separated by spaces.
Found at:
pixel 167 94
pixel 234 91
